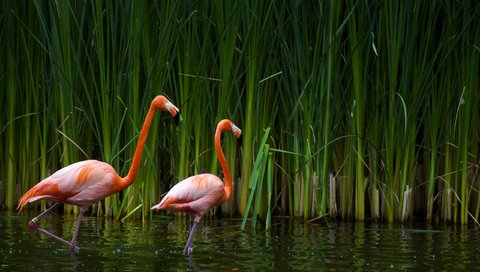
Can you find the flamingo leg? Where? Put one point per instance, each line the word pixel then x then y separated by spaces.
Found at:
pixel 38 217
pixel 33 225
pixel 188 245
pixel 40 230
pixel 191 223
pixel 75 234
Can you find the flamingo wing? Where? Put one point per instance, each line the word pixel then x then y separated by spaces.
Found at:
pixel 82 183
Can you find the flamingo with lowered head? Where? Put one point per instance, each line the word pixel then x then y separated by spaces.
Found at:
pixel 86 182
pixel 196 194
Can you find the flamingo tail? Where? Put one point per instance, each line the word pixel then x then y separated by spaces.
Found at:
pixel 26 197
pixel 164 203
pixel 44 189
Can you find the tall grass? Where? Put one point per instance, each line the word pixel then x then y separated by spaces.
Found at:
pixel 373 105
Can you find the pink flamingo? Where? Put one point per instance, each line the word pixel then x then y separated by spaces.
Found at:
pixel 196 194
pixel 86 182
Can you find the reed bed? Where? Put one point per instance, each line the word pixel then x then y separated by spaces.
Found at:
pixel 353 109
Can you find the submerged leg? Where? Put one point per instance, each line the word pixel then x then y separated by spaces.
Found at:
pixel 188 245
pixel 40 230
pixel 33 224
pixel 75 234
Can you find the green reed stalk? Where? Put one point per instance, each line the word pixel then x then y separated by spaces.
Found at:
pixel 469 123
pixel 435 106
pixel 10 114
pixel 464 127
pixel 474 84
pixel 449 201
pixel 331 73
pixel 255 30
pixel 186 57
pixel 3 69
pixel 251 65
pixel 227 27
pixel 256 180
pixel 270 181
pixel 432 161
pixel 393 54
pixel 31 132
pixel 302 62
pixel 356 48
pixel 467 99
pixel 327 80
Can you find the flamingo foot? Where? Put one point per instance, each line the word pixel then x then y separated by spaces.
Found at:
pixel 74 248
pixel 187 250
pixel 33 224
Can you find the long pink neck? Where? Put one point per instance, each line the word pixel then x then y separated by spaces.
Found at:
pixel 223 163
pixel 137 156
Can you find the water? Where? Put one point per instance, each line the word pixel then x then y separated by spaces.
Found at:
pixel 220 245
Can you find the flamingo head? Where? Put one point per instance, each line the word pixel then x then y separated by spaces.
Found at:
pixel 229 126
pixel 162 103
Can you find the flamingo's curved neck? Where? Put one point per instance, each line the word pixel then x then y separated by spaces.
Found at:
pixel 137 156
pixel 223 163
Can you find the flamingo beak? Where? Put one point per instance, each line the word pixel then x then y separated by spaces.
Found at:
pixel 240 141
pixel 238 133
pixel 177 118
pixel 174 112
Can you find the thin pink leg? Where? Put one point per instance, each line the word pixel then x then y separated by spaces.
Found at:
pixel 188 245
pixel 191 224
pixel 75 234
pixel 38 217
pixel 33 225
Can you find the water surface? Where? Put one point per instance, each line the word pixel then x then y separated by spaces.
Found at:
pixel 220 245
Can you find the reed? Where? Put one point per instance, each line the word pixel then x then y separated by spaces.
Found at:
pixel 381 97
pixel 256 181
pixel 357 46
pixel 10 113
pixel 227 17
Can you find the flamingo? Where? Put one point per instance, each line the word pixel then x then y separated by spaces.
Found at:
pixel 196 194
pixel 86 182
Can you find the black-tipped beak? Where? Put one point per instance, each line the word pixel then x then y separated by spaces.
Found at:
pixel 240 141
pixel 176 118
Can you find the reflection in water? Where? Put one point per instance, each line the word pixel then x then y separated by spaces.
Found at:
pixel 107 245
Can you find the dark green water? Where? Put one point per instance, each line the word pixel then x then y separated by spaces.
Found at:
pixel 220 245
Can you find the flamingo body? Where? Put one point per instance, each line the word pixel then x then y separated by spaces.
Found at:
pixel 86 182
pixel 196 194
pixel 82 183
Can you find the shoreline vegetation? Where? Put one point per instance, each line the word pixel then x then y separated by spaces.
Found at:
pixel 350 109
